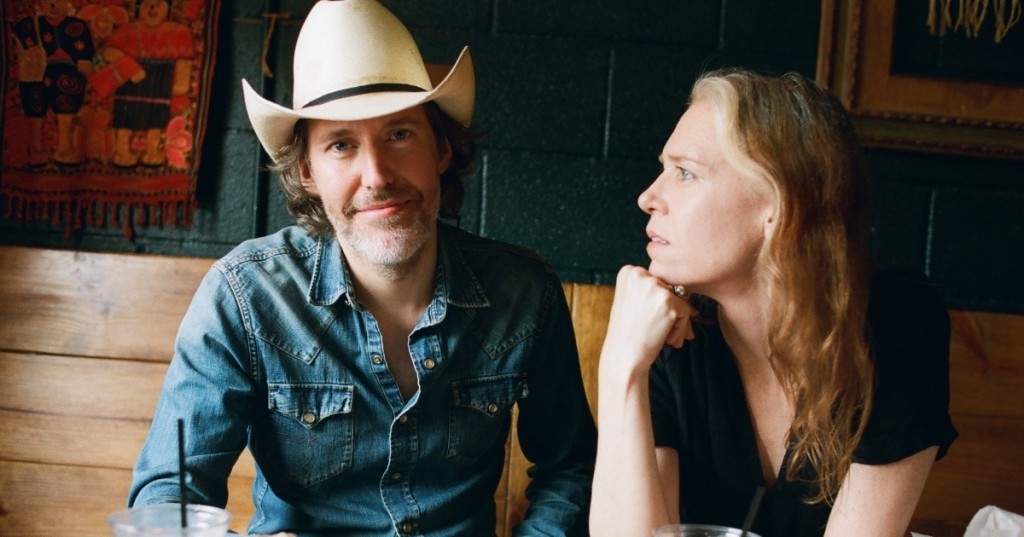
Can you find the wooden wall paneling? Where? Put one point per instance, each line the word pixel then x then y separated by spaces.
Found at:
pixel 590 307
pixel 42 499
pixel 987 361
pixel 70 440
pixel 91 304
pixel 984 465
pixel 78 410
pixel 80 386
pixel 74 501
pixel 72 424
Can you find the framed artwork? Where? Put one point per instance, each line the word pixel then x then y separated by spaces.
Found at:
pixel 913 84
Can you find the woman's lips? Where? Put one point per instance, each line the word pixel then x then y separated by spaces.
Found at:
pixel 655 238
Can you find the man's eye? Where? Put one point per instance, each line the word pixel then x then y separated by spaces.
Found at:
pixel 401 134
pixel 340 146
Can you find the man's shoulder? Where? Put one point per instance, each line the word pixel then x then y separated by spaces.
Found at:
pixel 494 254
pixel 292 243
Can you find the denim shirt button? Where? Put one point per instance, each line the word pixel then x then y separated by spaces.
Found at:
pixel 396 476
pixel 429 363
pixel 408 527
pixel 377 359
pixel 492 408
pixel 308 417
pixel 403 418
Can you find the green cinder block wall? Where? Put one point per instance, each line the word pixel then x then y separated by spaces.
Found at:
pixel 578 97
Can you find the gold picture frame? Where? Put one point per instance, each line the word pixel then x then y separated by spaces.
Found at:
pixel 908 112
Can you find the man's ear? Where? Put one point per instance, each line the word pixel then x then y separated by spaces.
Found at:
pixel 306 179
pixel 444 156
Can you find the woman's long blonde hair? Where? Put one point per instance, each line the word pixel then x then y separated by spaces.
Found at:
pixel 795 141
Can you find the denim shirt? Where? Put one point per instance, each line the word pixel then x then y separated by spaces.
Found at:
pixel 276 354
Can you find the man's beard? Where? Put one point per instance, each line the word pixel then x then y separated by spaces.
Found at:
pixel 393 243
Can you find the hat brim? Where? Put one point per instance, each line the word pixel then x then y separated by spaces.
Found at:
pixel 274 124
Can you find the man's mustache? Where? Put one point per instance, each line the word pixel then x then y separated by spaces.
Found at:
pixel 380 196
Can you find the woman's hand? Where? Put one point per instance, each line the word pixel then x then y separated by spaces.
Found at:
pixel 629 491
pixel 646 315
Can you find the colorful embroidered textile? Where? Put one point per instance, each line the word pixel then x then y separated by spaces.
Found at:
pixel 104 109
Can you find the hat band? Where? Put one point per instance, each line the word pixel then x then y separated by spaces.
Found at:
pixel 360 90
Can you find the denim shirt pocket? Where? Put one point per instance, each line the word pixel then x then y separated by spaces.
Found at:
pixel 313 429
pixel 479 412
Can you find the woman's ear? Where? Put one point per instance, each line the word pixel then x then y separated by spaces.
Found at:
pixel 771 219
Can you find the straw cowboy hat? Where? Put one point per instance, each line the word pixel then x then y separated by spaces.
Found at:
pixel 355 60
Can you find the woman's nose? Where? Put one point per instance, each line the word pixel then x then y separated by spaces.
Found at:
pixel 649 200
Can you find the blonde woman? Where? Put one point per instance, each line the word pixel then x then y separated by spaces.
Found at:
pixel 759 349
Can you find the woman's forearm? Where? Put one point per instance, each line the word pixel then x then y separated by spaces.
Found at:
pixel 627 494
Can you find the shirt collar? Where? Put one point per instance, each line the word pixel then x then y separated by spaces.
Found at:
pixel 456 283
pixel 330 279
pixel 460 283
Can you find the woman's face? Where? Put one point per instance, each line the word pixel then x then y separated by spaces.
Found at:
pixel 707 222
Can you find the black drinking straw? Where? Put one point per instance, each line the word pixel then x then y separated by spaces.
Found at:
pixel 181 471
pixel 752 512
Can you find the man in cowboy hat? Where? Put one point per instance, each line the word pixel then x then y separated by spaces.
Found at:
pixel 370 356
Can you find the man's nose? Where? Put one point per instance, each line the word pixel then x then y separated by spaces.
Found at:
pixel 374 167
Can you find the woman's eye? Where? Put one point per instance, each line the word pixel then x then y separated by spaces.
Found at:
pixel 340 146
pixel 401 134
pixel 685 174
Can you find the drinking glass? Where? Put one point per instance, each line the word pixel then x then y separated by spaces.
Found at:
pixel 698 530
pixel 164 519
